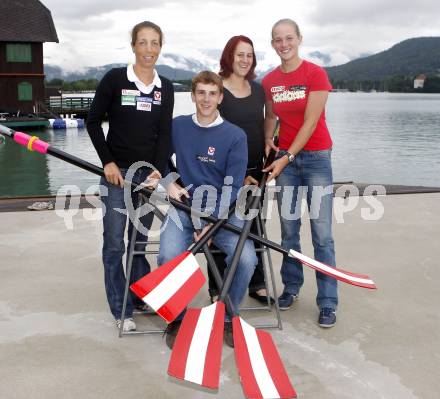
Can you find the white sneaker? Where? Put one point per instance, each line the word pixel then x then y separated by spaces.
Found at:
pixel 129 325
pixel 41 206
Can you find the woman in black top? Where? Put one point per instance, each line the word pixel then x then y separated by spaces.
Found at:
pixel 139 104
pixel 243 105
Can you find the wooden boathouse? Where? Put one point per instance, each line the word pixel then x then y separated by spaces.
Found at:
pixel 24 26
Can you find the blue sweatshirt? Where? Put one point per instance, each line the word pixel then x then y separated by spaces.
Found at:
pixel 205 156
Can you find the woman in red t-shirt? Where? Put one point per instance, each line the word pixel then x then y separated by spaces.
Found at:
pixel 296 94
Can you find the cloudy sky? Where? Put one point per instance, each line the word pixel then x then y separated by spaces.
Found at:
pixel 96 32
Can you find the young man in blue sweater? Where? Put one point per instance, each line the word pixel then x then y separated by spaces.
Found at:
pixel 211 159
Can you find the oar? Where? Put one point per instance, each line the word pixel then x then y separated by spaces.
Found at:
pixel 34 144
pixel 262 372
pixel 197 350
pixel 196 355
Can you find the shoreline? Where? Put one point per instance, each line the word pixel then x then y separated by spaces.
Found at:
pixel 19 204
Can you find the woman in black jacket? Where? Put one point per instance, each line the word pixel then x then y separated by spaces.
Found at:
pixel 139 104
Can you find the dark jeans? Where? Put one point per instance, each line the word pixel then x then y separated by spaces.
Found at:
pixel 176 239
pixel 257 281
pixel 115 221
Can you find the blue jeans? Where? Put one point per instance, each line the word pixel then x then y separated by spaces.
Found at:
pixel 174 241
pixel 113 246
pixel 310 171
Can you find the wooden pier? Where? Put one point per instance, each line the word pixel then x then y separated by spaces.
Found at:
pixel 69 105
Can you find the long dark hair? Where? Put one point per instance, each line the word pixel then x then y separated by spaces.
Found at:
pixel 227 57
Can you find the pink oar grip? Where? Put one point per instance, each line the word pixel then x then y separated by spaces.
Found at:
pixel 21 138
pixel 38 145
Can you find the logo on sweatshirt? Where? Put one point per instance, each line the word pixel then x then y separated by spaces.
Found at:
pixel 211 151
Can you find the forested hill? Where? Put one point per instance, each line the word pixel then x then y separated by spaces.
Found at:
pixel 408 58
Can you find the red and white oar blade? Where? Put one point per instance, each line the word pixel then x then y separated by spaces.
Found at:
pixel 261 369
pixel 359 280
pixel 172 286
pixel 197 351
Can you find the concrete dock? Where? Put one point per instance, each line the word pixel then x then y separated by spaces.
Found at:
pixel 58 338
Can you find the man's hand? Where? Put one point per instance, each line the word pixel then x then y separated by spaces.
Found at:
pixel 276 167
pixel 176 192
pixel 200 234
pixel 250 181
pixel 113 174
pixel 152 179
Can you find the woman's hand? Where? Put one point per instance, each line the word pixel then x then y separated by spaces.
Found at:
pixel 270 145
pixel 250 181
pixel 175 191
pixel 113 174
pixel 276 167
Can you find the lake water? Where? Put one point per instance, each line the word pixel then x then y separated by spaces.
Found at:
pixel 378 138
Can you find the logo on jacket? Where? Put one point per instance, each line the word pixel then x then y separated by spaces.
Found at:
pixel 157 96
pixel 211 151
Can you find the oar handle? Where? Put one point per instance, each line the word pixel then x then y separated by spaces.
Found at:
pixel 6 131
pixel 213 229
pixel 241 242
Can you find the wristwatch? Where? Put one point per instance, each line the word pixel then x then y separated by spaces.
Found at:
pixel 289 156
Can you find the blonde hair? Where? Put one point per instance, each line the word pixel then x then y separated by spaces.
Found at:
pixel 287 21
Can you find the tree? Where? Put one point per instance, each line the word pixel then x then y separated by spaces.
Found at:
pixel 432 84
pixel 55 83
pixel 401 84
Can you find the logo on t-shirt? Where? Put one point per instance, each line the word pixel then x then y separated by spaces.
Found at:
pixel 298 87
pixel 295 92
pixel 211 151
pixel 276 89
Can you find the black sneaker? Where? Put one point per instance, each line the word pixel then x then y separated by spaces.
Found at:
pixel 262 298
pixel 327 318
pixel 171 332
pixel 228 336
pixel 285 300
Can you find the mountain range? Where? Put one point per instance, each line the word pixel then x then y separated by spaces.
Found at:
pixel 407 58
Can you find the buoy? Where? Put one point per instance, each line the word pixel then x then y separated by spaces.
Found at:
pixel 66 123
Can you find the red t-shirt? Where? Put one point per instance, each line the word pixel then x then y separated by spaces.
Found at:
pixel 289 93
